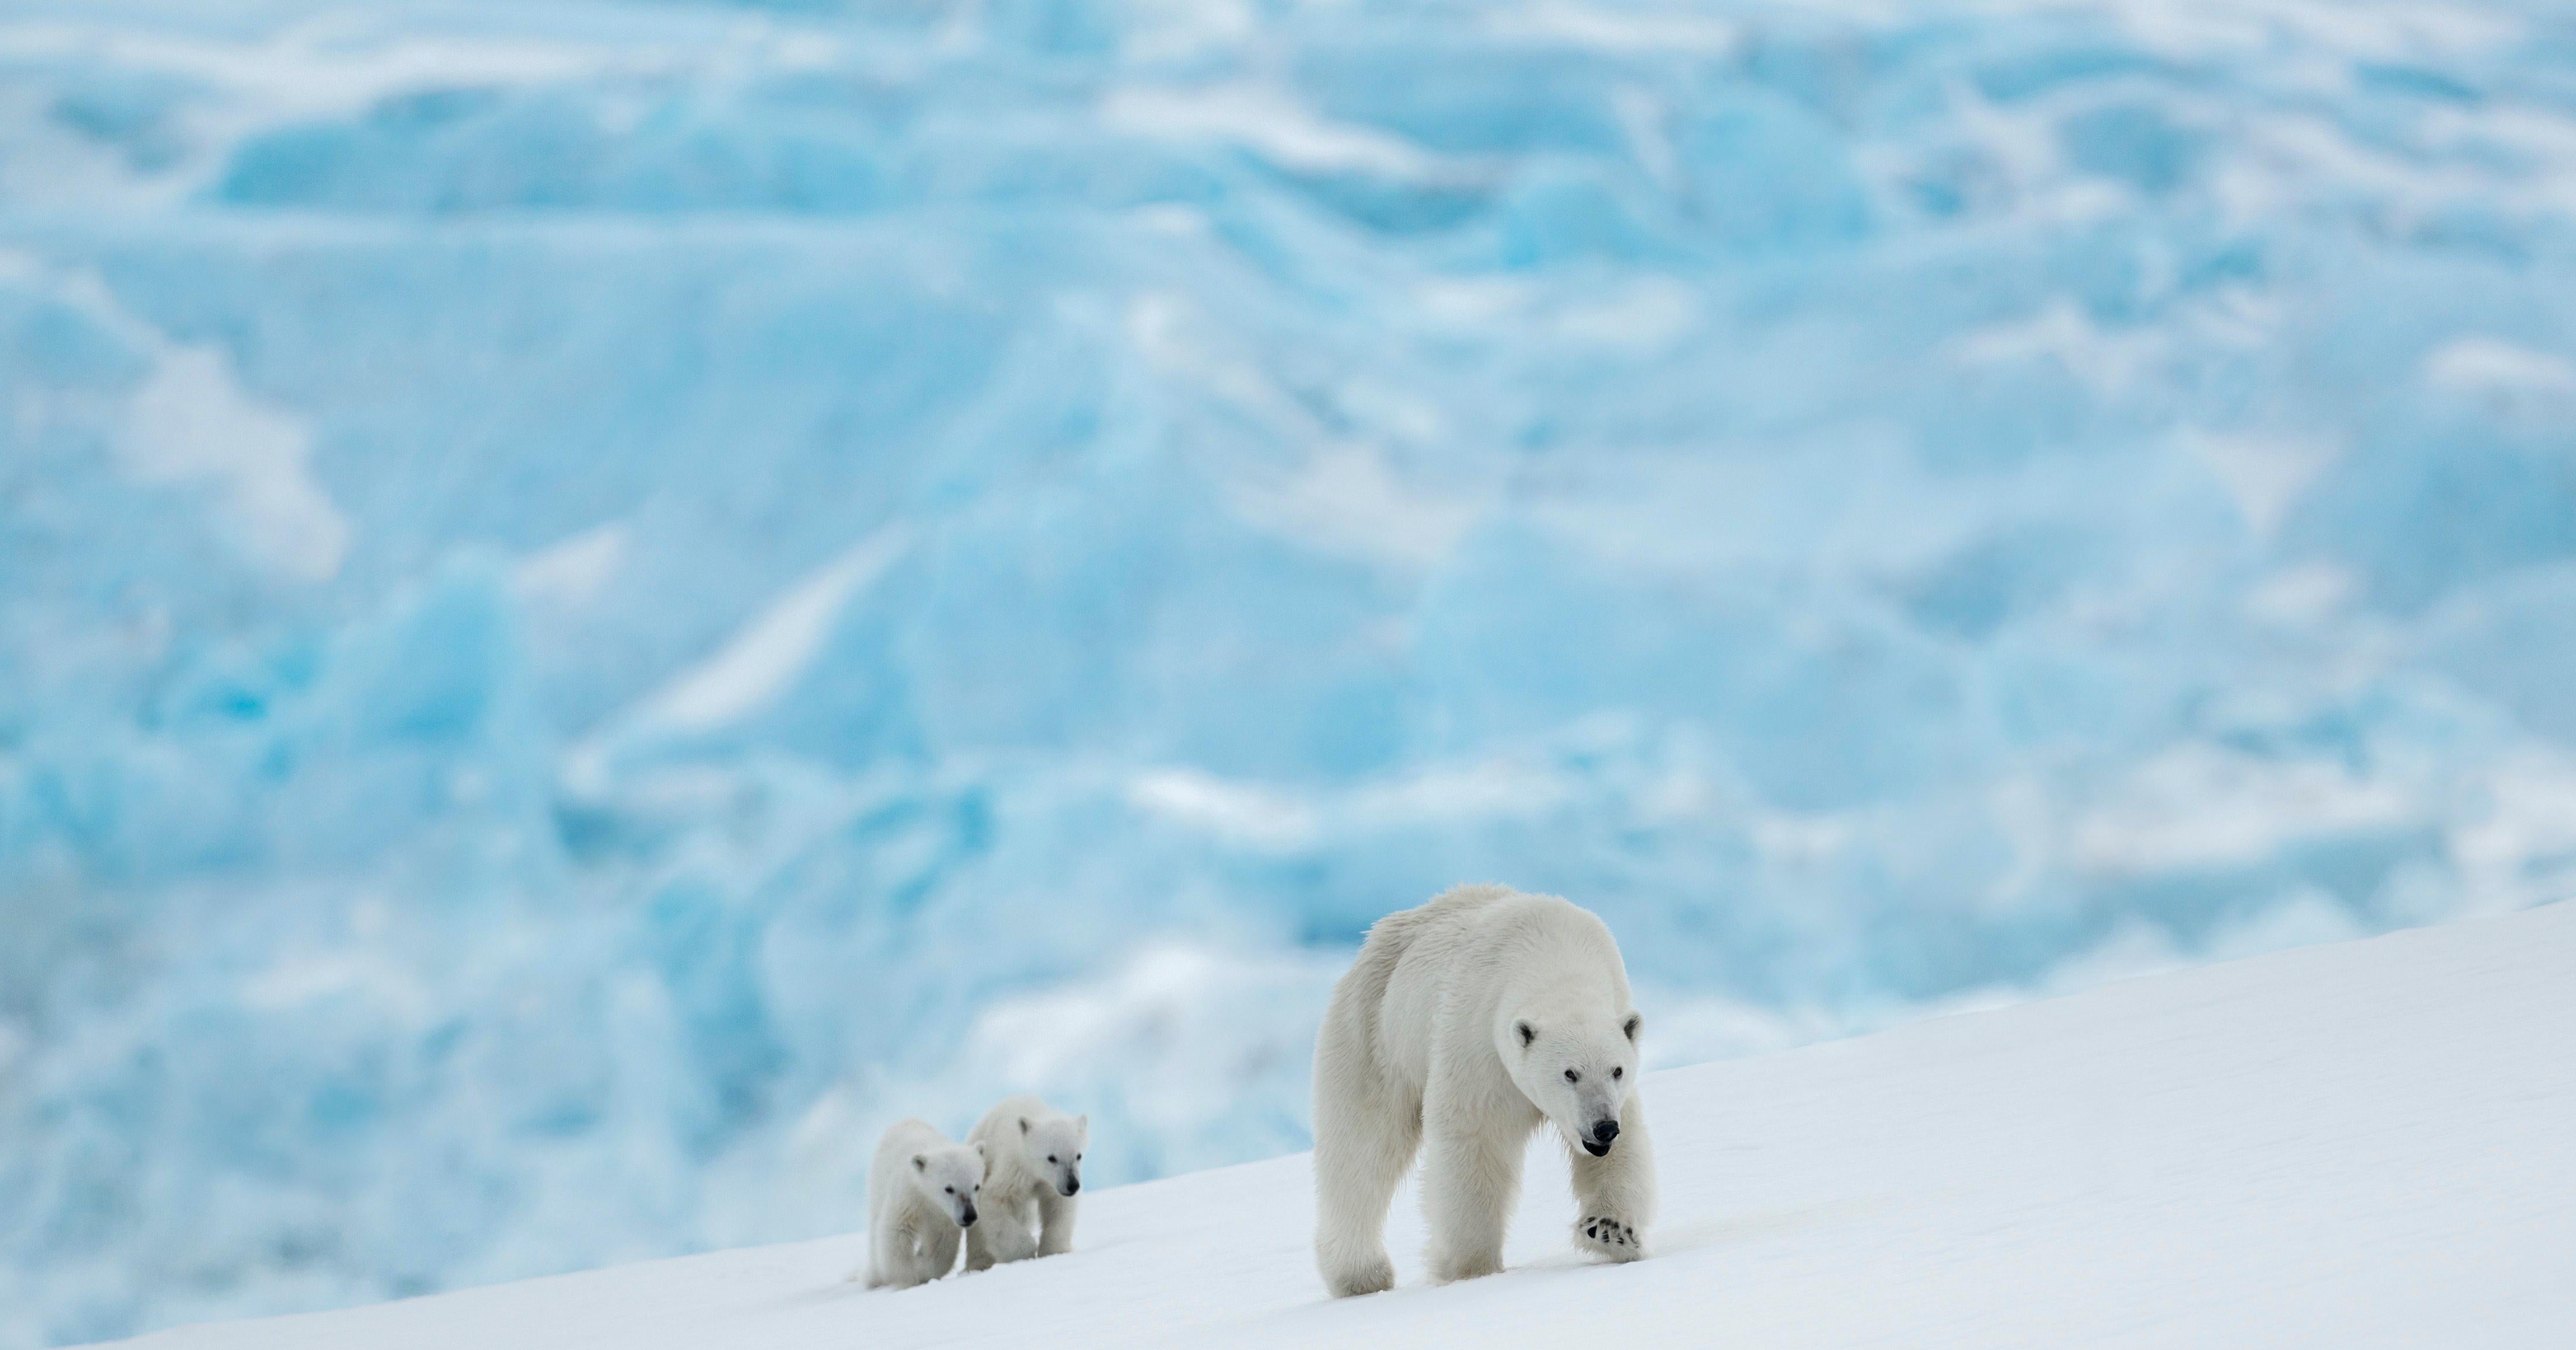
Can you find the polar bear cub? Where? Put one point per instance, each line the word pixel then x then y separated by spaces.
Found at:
pixel 1465 1026
pixel 1036 1169
pixel 921 1194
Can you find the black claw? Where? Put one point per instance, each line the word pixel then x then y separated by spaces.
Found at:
pixel 1610 1232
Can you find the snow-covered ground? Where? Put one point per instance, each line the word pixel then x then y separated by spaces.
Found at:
pixel 2356 1145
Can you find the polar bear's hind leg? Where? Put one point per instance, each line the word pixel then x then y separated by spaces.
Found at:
pixel 1364 1139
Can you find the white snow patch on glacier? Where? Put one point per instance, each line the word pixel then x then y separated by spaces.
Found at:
pixel 191 422
pixel 1268 121
pixel 767 654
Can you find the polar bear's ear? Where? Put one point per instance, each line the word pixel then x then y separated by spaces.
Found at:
pixel 980 1153
pixel 920 1162
pixel 1635 1020
pixel 1024 1124
pixel 1528 1033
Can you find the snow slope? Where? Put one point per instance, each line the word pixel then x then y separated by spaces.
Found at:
pixel 2364 1144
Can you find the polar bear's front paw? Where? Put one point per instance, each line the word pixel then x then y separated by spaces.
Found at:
pixel 1611 1238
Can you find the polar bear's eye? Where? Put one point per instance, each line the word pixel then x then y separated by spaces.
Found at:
pixel 1050 1157
pixel 1618 1073
pixel 951 1190
pixel 1572 1077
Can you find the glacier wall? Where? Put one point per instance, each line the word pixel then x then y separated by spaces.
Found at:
pixel 597 599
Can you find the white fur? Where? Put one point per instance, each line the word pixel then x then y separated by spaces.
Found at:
pixel 1029 1203
pixel 1423 1046
pixel 921 1192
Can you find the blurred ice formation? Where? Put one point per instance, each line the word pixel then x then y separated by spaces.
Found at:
pixel 597 597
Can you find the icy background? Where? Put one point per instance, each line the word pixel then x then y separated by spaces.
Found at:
pixel 597 599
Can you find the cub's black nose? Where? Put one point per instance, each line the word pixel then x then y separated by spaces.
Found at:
pixel 1072 1184
pixel 967 1219
pixel 1603 1131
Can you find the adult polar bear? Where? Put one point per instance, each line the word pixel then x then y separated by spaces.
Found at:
pixel 1464 1026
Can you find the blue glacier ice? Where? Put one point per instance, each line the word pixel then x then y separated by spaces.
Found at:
pixel 598 599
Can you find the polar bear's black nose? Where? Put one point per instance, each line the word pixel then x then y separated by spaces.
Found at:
pixel 1072 1184
pixel 1603 1131
pixel 967 1218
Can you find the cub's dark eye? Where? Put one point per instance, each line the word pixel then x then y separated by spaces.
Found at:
pixel 952 1190
pixel 1050 1157
pixel 1572 1077
pixel 1618 1073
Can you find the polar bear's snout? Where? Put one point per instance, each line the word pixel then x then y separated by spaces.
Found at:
pixel 966 1215
pixel 1063 1172
pixel 1591 1119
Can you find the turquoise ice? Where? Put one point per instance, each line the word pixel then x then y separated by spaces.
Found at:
pixel 598 599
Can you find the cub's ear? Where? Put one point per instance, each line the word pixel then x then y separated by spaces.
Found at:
pixel 980 1153
pixel 1635 1020
pixel 1528 1033
pixel 1024 1124
pixel 1083 1123
pixel 920 1162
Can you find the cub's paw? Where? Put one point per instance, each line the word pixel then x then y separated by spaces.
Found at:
pixel 1610 1238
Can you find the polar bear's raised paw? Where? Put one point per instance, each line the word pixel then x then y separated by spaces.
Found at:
pixel 1611 1238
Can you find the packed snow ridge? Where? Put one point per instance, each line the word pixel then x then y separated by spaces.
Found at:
pixel 2354 1145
